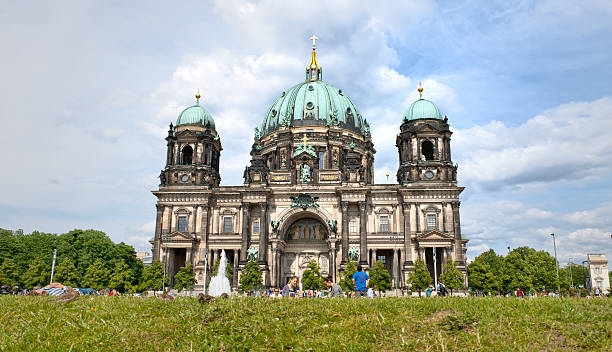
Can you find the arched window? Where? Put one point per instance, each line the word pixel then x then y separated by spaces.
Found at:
pixel 427 149
pixel 187 155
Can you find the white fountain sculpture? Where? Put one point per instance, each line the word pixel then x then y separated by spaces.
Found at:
pixel 219 284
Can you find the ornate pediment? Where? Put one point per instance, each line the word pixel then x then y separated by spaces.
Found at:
pixel 186 133
pixel 434 236
pixel 177 236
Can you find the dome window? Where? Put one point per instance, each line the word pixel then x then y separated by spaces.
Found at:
pixel 187 155
pixel 273 113
pixel 310 88
pixel 340 92
pixel 309 105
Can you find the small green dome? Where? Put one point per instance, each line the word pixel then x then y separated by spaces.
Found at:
pixel 195 115
pixel 422 109
pixel 314 103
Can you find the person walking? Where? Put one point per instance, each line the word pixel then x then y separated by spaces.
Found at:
pixel 361 281
pixel 334 289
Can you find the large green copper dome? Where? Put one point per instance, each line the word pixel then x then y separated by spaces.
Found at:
pixel 422 109
pixel 195 115
pixel 313 103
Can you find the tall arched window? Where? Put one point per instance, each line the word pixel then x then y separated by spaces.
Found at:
pixel 427 149
pixel 187 155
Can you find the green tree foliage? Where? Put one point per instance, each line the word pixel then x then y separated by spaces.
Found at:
pixel 312 280
pixel 122 278
pixel 420 277
pixel 251 278
pixel 66 273
pixel 229 271
pixel 152 277
pixel 81 247
pixel 96 276
pixel 184 279
pixel 380 277
pixel 516 272
pixel 38 274
pixel 346 281
pixel 451 276
pixel 480 276
pixel 9 274
pixel 577 275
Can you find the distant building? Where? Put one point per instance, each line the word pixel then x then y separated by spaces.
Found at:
pixel 598 272
pixel 146 257
pixel 309 191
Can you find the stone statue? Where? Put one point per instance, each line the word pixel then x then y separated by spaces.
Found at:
pixel 333 226
pixel 353 253
pixel 252 253
pixel 275 224
pixel 257 135
pixel 305 174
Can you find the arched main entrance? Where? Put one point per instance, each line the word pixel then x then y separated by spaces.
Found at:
pixel 306 239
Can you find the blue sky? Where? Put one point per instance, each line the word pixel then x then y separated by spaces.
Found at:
pixel 89 90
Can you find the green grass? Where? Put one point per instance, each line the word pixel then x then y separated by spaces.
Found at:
pixel 392 324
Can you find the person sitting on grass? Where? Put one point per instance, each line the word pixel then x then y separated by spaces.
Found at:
pixel 360 281
pixel 372 292
pixel 334 289
pixel 276 293
pixel 428 291
pixel 290 289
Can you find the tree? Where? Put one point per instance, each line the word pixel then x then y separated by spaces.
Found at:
pixel 346 281
pixel 251 277
pixel 152 277
pixel 420 277
pixel 66 273
pixel 9 274
pixel 516 271
pixel 184 279
pixel 451 276
pixel 312 280
pixel 38 274
pixel 380 277
pixel 480 276
pixel 96 276
pixel 122 277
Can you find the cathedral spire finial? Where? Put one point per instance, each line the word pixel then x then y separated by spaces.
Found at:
pixel 313 71
pixel 197 96
pixel 420 89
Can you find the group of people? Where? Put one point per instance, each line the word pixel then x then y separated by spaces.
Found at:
pixel 361 284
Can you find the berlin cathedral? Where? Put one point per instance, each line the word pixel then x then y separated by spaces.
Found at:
pixel 309 192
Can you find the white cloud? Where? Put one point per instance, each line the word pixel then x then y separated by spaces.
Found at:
pixel 570 142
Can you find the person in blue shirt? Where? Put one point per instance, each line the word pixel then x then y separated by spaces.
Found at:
pixel 361 281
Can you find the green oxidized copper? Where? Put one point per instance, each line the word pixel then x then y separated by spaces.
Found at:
pixel 304 201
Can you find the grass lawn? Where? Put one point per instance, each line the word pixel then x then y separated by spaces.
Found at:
pixel 391 324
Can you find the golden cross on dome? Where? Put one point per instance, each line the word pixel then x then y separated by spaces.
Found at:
pixel 314 40
pixel 305 139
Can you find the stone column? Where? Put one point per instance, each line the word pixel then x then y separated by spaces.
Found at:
pixel 363 241
pixel 407 231
pixel 245 233
pixel 345 231
pixel 373 261
pixel 458 249
pixel 395 275
pixel 235 270
pixel 193 219
pixel 263 233
pixel 170 218
pixel 158 226
pixel 274 268
pixel 332 261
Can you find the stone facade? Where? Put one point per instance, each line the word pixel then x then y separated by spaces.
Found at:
pixel 598 273
pixel 309 193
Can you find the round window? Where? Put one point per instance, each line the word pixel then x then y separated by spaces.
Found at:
pixel 310 88
pixel 429 174
pixel 309 105
pixel 185 178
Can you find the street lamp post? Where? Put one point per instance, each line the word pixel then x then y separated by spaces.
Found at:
pixel 556 262
pixel 571 278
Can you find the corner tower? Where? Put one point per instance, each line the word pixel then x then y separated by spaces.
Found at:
pixel 424 145
pixel 194 150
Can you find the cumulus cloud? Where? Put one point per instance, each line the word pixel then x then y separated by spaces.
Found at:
pixel 570 142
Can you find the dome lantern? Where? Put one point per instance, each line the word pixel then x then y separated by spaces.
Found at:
pixel 314 71
pixel 195 115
